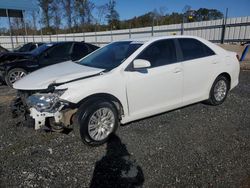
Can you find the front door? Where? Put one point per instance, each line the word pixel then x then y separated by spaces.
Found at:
pixel 158 88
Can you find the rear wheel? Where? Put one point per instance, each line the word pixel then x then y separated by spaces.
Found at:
pixel 13 75
pixel 219 91
pixel 96 122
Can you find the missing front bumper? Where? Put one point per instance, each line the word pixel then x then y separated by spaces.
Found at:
pixel 61 117
pixel 40 117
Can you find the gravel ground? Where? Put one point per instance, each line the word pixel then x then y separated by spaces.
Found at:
pixel 199 145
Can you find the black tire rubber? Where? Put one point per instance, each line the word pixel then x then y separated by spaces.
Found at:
pixel 82 117
pixel 212 101
pixel 11 71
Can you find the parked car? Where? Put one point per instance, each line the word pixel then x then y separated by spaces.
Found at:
pixel 47 54
pixel 126 81
pixel 18 52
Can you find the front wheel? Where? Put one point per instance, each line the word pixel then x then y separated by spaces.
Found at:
pixel 219 91
pixel 13 75
pixel 96 122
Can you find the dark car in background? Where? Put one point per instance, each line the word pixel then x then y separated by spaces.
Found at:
pixel 6 55
pixel 45 55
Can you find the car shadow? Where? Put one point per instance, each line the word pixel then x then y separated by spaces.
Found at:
pixel 117 168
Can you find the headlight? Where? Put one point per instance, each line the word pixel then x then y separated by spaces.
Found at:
pixel 45 102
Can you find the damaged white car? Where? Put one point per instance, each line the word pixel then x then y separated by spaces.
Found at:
pixel 125 81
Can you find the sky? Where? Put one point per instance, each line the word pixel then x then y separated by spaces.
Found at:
pixel 130 8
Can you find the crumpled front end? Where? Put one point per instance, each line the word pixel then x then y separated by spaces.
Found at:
pixel 46 108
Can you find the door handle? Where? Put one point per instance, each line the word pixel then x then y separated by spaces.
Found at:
pixel 215 62
pixel 176 70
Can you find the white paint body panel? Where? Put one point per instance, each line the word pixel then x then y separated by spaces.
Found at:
pixel 159 89
pixel 145 94
pixel 57 73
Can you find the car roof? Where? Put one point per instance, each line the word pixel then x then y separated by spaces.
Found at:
pixel 34 43
pixel 151 39
pixel 64 42
pixel 144 40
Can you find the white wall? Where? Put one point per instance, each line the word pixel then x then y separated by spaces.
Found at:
pixel 210 30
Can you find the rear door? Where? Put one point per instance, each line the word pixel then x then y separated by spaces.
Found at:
pixel 199 63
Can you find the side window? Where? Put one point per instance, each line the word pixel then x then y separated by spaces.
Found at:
pixel 79 51
pixel 33 46
pixel 92 47
pixel 25 47
pixel 60 51
pixel 193 49
pixel 160 53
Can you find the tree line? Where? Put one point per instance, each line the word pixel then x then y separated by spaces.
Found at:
pixel 74 16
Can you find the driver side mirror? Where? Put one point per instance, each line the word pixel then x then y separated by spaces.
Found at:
pixel 141 63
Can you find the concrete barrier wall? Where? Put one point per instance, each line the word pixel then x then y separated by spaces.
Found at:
pixel 237 30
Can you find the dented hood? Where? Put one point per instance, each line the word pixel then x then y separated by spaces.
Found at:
pixel 55 74
pixel 14 56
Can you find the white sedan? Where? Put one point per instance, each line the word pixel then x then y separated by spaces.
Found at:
pixel 126 81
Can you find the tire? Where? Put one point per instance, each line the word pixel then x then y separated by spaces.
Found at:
pixel 219 91
pixel 10 77
pixel 84 121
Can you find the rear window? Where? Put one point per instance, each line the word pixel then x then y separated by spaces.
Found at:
pixel 193 49
pixel 80 50
pixel 92 47
pixel 60 50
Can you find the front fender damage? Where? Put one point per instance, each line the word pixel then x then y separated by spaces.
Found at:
pixel 40 117
pixel 60 117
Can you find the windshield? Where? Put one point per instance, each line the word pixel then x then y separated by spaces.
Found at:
pixel 111 55
pixel 41 49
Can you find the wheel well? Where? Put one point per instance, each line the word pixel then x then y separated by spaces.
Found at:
pixel 227 76
pixel 11 68
pixel 103 96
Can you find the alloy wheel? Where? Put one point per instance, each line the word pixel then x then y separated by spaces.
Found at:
pixel 16 75
pixel 101 124
pixel 220 90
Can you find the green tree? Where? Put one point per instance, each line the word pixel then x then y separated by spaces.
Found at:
pixel 83 11
pixel 68 8
pixel 204 14
pixel 112 15
pixel 46 13
pixel 55 8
